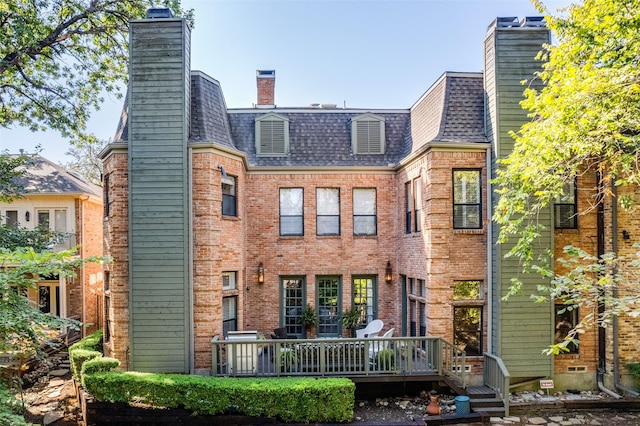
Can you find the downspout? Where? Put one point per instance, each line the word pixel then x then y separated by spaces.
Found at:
pixel 602 353
pixel 489 281
pixel 192 343
pixel 614 243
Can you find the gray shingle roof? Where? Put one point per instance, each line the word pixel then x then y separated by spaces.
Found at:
pixel 44 177
pixel 452 110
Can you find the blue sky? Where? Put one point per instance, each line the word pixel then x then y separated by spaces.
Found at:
pixel 358 53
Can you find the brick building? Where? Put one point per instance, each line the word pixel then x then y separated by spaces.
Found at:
pixel 233 219
pixel 68 204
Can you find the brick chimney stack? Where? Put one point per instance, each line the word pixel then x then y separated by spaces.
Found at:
pixel 266 80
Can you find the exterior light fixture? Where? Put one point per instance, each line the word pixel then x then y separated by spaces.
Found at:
pixel 388 273
pixel 260 273
pixel 625 235
pixel 27 216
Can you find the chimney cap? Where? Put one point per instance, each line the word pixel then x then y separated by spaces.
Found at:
pixel 505 22
pixel 266 73
pixel 533 21
pixel 159 12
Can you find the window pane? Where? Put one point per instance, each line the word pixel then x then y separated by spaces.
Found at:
pixel 364 299
pixel 364 201
pixel 468 329
pixel 228 280
pixel 43 218
pixel 364 225
pixel 466 216
pixel 417 202
pixel 328 201
pixel 291 201
pixel 229 314
pixel 11 218
pixel 292 303
pixel 466 186
pixel 328 307
pixel 291 225
pixel 466 290
pixel 565 320
pixel 61 220
pixel 328 225
pixel 408 207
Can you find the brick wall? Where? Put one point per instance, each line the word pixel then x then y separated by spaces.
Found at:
pixel 116 246
pixel 89 222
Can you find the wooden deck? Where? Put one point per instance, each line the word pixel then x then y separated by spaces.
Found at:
pixel 362 360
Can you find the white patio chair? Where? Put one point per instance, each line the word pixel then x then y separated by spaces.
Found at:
pixel 377 346
pixel 371 330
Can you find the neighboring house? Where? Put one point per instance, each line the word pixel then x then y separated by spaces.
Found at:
pixel 66 203
pixel 225 219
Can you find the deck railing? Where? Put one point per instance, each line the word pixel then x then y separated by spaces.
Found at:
pixel 496 376
pixel 345 357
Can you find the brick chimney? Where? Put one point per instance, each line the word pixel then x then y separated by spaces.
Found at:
pixel 266 80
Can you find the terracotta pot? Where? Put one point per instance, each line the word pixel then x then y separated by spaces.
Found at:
pixel 433 409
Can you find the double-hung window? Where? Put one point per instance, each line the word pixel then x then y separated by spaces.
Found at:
pixel 364 211
pixel 229 204
pixel 565 208
pixel 467 316
pixel 11 218
pixel 467 212
pixel 566 318
pixel 327 211
pixel 291 212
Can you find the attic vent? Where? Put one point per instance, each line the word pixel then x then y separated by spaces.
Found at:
pixel 272 135
pixel 159 12
pixel 367 134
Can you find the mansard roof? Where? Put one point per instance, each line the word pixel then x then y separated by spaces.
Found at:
pixel 451 111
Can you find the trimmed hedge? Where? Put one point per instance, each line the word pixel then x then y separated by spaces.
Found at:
pixel 291 399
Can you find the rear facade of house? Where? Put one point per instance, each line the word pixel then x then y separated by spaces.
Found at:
pixel 225 219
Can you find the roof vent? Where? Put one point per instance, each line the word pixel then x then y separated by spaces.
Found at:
pixel 534 21
pixel 159 12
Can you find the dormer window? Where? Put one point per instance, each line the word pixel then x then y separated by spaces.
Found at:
pixel 272 135
pixel 367 134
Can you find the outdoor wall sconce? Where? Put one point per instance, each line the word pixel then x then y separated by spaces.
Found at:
pixel 625 234
pixel 260 273
pixel 222 171
pixel 27 216
pixel 388 273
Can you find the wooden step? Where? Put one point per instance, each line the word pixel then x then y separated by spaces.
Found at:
pixel 491 411
pixel 486 402
pixel 480 392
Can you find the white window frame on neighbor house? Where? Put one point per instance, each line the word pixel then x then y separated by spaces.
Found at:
pixel 327 211
pixel 272 135
pixel 58 224
pixel 467 200
pixel 291 212
pixel 365 220
pixel 367 134
pixel 10 217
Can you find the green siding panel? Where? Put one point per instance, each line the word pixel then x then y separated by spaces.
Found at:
pixel 160 289
pixel 521 328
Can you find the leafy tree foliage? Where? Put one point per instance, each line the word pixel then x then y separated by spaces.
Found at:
pixel 39 239
pixel 11 166
pixel 24 329
pixel 585 119
pixel 58 56
pixel 84 159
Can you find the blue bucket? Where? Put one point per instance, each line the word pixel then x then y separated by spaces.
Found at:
pixel 463 406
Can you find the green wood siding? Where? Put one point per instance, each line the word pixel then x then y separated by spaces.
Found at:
pixel 159 274
pixel 521 328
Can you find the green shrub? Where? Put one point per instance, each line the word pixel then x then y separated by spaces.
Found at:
pixel 634 369
pixel 386 359
pixel 307 399
pixel 86 349
pixel 10 409
pixel 98 365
